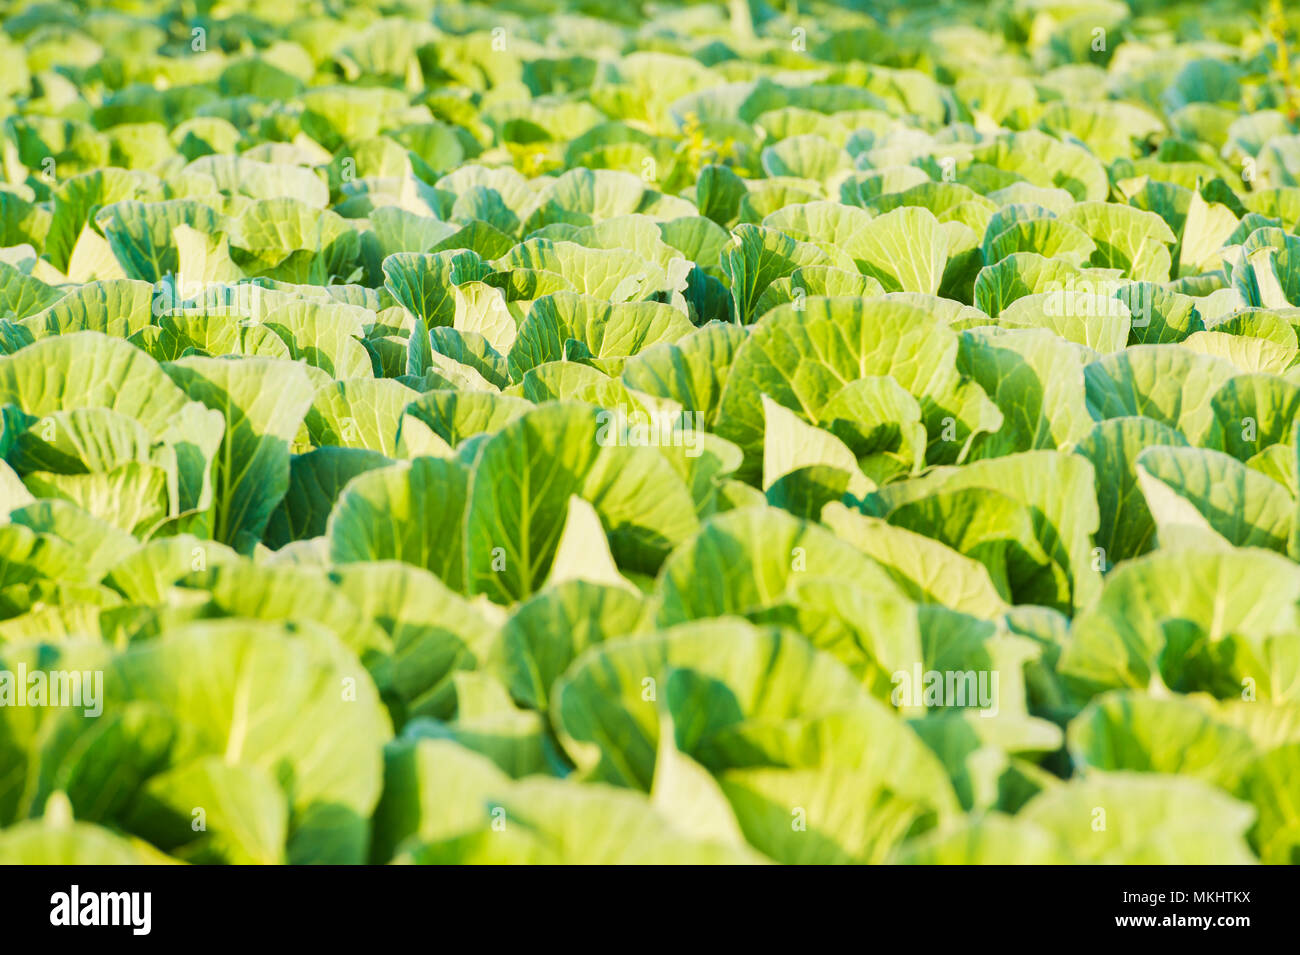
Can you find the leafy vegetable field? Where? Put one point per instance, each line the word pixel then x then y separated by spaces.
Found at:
pixel 592 432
